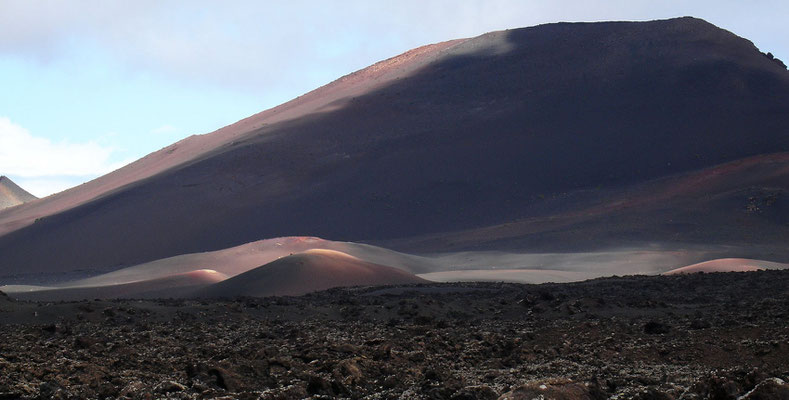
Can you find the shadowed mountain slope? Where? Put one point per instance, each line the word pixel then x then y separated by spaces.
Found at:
pixel 742 205
pixel 11 194
pixel 454 137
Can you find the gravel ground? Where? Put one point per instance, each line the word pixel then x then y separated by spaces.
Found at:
pixel 703 336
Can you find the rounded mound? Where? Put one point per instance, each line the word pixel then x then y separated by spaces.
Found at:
pixel 310 271
pixel 728 265
pixel 173 286
pixel 200 276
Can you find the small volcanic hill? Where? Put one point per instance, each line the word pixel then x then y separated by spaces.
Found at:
pixel 306 272
pixel 172 286
pixel 728 265
pixel 554 136
pixel 235 260
pixel 11 194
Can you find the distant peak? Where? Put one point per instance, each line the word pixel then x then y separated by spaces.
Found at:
pixel 11 194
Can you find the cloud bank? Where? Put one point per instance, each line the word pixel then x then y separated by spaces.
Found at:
pixel 44 167
pixel 278 46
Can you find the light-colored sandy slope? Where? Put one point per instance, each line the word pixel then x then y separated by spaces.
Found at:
pixel 562 267
pixel 166 277
pixel 622 261
pixel 509 275
pixel 176 285
pixel 11 194
pixel 306 272
pixel 239 259
pixel 194 147
pixel 728 265
pixel 444 267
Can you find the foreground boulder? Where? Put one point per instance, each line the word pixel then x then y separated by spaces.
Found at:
pixel 770 389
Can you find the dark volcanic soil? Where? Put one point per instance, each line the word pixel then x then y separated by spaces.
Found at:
pixel 714 336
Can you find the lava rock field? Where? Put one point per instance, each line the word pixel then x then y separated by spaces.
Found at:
pixel 700 336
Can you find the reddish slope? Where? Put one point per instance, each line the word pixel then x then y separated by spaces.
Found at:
pixel 474 134
pixel 197 146
pixel 306 272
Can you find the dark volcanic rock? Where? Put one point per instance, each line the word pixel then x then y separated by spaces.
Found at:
pixel 300 347
pixel 656 328
pixel 770 389
pixel 558 390
pixel 475 393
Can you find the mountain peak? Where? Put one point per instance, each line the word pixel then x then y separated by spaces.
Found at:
pixel 11 194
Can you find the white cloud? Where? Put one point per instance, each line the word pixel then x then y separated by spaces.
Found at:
pixel 42 187
pixel 48 164
pixel 165 129
pixel 296 45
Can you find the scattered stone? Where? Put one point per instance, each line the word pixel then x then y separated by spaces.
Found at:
pixel 557 390
pixel 656 328
pixel 699 323
pixel 169 387
pixel 769 389
pixel 481 392
pixel 134 389
pixel 84 342
pixel 348 372
pixel 225 379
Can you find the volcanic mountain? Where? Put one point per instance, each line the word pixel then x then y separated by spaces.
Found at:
pixel 11 194
pixel 564 136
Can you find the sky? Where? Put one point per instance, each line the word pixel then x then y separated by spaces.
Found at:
pixel 88 86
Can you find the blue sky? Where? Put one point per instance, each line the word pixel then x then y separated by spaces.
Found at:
pixel 87 86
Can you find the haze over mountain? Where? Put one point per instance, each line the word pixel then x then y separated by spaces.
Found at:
pixel 11 194
pixel 561 136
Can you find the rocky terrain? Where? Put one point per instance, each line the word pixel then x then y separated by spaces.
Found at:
pixel 699 336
